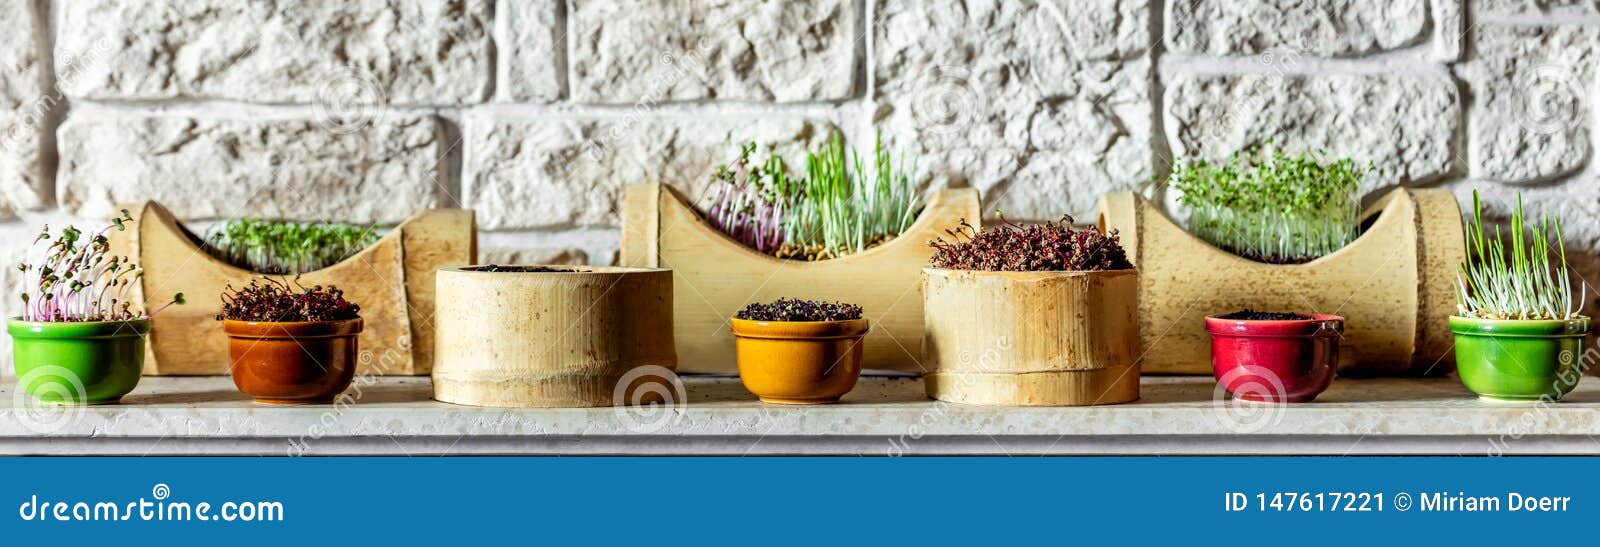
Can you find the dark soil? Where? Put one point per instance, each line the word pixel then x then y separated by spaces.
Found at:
pixel 1248 314
pixel 493 268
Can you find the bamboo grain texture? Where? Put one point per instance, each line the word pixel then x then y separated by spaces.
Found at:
pixel 1031 338
pixel 544 339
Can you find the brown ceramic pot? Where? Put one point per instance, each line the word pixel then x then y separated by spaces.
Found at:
pixel 799 362
pixel 292 363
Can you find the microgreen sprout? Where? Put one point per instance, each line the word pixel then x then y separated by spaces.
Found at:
pixel 73 277
pixel 1271 207
pixel 271 300
pixel 747 200
pixel 793 309
pixel 1519 281
pixel 1011 247
pixel 279 248
pixel 842 206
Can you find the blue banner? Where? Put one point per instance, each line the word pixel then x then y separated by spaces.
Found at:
pixel 793 501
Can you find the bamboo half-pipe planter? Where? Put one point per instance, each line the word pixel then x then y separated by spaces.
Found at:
pixel 1031 338
pixel 563 337
pixel 1392 285
pixel 717 276
pixel 392 281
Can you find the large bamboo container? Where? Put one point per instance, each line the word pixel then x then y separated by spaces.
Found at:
pixel 1031 338
pixel 392 281
pixel 1392 285
pixel 557 338
pixel 717 276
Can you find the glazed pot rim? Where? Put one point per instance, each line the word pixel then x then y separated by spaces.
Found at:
pixel 18 327
pixel 1275 328
pixel 1314 317
pixel 243 322
pixel 1520 328
pixel 1465 319
pixel 799 330
pixel 292 329
pixel 556 269
pixel 1124 271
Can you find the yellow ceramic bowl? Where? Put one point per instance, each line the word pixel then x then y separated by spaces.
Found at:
pixel 799 362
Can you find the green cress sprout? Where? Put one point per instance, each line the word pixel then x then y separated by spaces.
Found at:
pixel 279 248
pixel 1271 207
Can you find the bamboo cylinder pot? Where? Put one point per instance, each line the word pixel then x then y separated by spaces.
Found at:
pixel 1031 338
pixel 549 336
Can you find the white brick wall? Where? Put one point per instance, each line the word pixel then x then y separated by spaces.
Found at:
pixel 537 112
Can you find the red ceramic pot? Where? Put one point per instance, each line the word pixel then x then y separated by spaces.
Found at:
pixel 1275 361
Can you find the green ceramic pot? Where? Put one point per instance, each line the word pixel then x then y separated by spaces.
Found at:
pixel 78 363
pixel 1519 359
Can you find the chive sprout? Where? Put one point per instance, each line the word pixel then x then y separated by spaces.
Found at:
pixel 1271 207
pixel 842 206
pixel 287 248
pixel 1519 282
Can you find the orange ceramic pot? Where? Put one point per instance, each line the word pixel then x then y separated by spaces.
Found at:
pixel 799 362
pixel 292 363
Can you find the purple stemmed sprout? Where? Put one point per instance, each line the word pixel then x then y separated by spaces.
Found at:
pixel 271 300
pixel 794 309
pixel 72 278
pixel 747 201
pixel 1012 247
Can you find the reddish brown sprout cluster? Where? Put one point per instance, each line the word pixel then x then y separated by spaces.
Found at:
pixel 786 309
pixel 277 302
pixel 1046 247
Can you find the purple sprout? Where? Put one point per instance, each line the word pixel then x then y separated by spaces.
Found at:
pixel 794 309
pixel 747 201
pixel 1046 247
pixel 274 301
pixel 70 278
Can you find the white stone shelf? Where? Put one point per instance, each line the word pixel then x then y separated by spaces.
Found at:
pixel 1177 416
